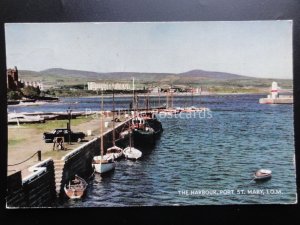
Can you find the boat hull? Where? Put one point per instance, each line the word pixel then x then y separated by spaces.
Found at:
pixel 262 175
pixel 143 137
pixel 74 194
pixel 132 153
pixel 114 152
pixel 76 190
pixel 102 166
pixel 156 126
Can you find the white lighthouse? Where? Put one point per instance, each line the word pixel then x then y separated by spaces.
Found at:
pixel 274 90
pixel 275 98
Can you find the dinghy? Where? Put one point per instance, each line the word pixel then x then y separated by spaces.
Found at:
pixel 262 174
pixel 113 152
pixel 76 188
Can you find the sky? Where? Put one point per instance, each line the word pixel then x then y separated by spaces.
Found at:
pixel 250 48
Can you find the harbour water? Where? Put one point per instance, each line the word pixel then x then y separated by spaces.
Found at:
pixel 201 160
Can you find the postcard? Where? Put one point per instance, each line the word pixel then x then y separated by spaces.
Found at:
pixel 112 114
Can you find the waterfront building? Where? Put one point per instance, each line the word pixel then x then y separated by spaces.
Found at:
pixel 155 90
pixel 108 86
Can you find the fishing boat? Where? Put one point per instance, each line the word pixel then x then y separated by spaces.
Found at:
pixel 100 163
pixel 142 132
pixel 262 174
pixel 76 188
pixel 114 152
pixel 152 121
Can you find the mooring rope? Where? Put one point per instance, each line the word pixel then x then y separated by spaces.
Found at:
pixel 24 160
pixel 91 175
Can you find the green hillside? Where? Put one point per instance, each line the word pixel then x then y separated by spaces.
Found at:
pixel 59 77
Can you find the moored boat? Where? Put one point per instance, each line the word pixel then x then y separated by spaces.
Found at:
pixel 132 153
pixel 142 132
pixel 194 109
pixel 76 188
pixel 114 152
pixel 103 164
pixel 152 121
pixel 100 163
pixel 262 174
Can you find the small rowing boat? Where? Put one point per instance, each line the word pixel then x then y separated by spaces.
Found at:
pixel 76 188
pixel 262 174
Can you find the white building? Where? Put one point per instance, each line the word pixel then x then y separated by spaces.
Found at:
pixel 155 90
pixel 108 86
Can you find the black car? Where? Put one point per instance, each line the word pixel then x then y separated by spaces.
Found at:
pixel 63 132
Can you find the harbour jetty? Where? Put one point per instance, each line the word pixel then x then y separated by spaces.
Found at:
pixel 46 179
pixel 275 98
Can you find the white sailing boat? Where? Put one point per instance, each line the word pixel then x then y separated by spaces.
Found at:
pixel 130 152
pixel 101 163
pixel 114 152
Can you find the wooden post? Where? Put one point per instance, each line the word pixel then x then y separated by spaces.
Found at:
pixel 39 155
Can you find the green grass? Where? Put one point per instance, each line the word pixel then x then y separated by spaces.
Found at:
pixel 53 124
pixel 218 89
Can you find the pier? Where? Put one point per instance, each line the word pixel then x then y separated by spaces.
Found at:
pixel 275 98
pixel 45 180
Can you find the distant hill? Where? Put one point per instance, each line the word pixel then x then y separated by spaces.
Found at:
pixel 59 76
pixel 213 75
pixel 99 76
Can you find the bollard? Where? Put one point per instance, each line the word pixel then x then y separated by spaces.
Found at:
pixel 39 155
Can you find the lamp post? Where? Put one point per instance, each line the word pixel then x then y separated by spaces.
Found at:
pixel 69 111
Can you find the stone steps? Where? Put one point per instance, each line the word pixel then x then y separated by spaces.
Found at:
pixel 59 167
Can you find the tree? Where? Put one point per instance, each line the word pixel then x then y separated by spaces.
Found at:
pixel 31 91
pixel 14 95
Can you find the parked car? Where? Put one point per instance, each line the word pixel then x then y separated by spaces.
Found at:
pixel 63 132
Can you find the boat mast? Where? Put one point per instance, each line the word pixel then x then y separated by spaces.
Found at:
pixel 130 144
pixel 114 137
pixel 167 95
pixel 172 99
pixel 133 98
pixel 101 126
pixel 192 97
pixel 159 97
pixel 147 102
pixel 133 106
pixel 200 95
